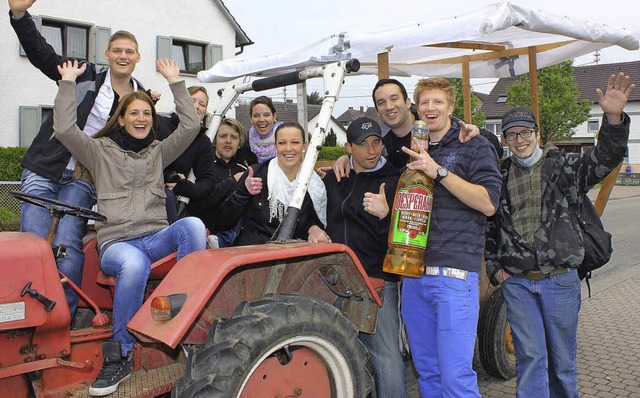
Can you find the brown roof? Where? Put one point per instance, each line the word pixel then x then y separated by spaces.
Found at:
pixel 588 78
pixel 287 112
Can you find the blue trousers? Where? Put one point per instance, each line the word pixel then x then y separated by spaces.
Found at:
pixel 71 229
pixel 441 318
pixel 129 261
pixel 383 346
pixel 544 324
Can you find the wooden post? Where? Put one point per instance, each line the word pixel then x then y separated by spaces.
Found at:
pixel 466 89
pixel 533 82
pixel 605 190
pixel 383 65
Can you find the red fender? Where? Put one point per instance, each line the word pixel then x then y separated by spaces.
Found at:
pixel 216 281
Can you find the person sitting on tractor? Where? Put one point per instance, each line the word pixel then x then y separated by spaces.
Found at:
pixel 126 161
pixel 262 209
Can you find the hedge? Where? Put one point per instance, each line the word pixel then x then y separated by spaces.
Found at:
pixel 9 221
pixel 331 152
pixel 10 159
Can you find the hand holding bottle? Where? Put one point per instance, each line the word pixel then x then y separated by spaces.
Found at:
pixel 422 161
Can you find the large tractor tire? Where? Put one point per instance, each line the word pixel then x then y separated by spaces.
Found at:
pixel 280 346
pixel 495 343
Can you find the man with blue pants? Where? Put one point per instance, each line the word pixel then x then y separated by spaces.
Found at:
pixel 48 165
pixel 358 216
pixel 534 246
pixel 440 309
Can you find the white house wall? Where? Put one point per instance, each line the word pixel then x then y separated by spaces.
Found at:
pixel 21 84
pixel 633 110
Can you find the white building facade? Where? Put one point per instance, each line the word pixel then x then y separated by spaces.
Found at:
pixel 196 33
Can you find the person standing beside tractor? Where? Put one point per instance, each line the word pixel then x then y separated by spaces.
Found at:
pixel 358 216
pixel 126 162
pixel 48 165
pixel 533 246
pixel 440 309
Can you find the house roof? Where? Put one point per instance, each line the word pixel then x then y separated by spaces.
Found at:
pixel 287 112
pixel 352 114
pixel 241 36
pixel 588 78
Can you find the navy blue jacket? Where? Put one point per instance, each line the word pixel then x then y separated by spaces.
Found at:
pixel 456 231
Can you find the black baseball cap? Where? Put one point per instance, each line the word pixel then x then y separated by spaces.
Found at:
pixel 361 128
pixel 518 117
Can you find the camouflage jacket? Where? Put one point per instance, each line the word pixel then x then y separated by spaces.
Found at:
pixel 558 241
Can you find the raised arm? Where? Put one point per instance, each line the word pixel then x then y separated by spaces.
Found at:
pixel 189 125
pixel 65 116
pixel 39 52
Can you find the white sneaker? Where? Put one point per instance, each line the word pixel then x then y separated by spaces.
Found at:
pixel 212 241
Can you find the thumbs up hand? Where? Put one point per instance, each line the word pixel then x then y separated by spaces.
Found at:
pixel 253 184
pixel 376 203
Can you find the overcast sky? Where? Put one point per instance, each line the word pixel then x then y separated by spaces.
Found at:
pixel 284 24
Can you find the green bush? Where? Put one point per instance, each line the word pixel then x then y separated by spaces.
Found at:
pixel 331 152
pixel 10 159
pixel 9 221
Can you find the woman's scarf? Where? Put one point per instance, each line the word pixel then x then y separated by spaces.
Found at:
pixel 130 143
pixel 263 147
pixel 281 191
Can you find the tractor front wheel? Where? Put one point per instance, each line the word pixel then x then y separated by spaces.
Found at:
pixel 280 346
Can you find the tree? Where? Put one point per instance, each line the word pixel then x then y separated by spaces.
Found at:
pixel 558 95
pixel 314 98
pixel 477 116
pixel 331 139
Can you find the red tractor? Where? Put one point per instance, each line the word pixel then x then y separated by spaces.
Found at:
pixel 245 321
pixel 236 322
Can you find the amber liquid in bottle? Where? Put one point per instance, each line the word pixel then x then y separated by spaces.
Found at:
pixel 410 218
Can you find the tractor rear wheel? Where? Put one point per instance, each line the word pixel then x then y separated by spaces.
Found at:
pixel 497 354
pixel 282 345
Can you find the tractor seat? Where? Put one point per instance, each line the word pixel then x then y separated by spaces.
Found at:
pixel 159 270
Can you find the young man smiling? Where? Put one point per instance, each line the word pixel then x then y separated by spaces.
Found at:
pixel 48 165
pixel 533 247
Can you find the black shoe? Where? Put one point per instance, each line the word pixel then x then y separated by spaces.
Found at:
pixel 115 370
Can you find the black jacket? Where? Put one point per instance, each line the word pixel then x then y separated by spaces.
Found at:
pixel 198 156
pixel 47 156
pixel 257 228
pixel 350 224
pixel 206 208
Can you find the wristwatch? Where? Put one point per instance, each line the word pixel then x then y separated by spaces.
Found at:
pixel 442 173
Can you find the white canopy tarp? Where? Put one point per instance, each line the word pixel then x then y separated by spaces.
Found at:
pixel 495 38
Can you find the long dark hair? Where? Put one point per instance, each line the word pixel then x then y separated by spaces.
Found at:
pixel 112 125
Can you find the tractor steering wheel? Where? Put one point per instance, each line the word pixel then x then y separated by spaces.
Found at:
pixel 55 206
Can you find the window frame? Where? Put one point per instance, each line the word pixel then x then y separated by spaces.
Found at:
pixel 64 35
pixel 213 53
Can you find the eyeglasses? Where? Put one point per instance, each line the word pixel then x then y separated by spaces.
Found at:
pixel 523 134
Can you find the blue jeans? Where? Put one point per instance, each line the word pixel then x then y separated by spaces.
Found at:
pixel 441 318
pixel 71 229
pixel 129 261
pixel 384 347
pixel 544 324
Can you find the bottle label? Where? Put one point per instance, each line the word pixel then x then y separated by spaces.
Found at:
pixel 412 215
